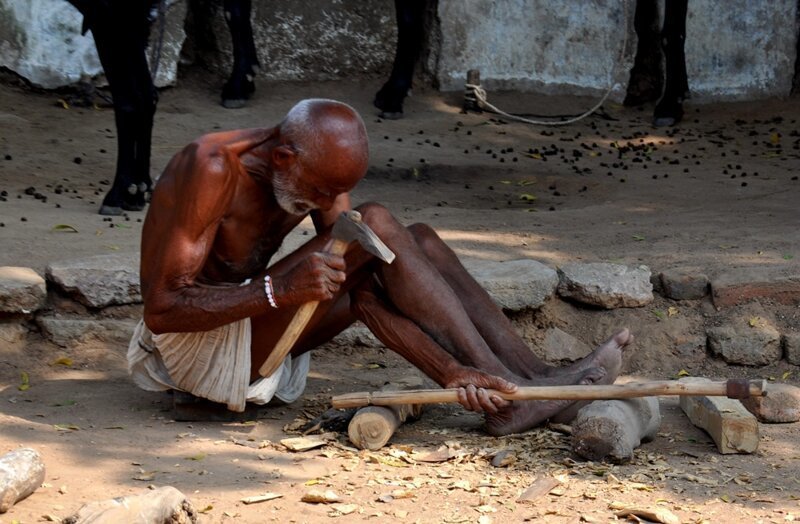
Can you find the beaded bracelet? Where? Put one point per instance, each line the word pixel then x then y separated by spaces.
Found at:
pixel 269 292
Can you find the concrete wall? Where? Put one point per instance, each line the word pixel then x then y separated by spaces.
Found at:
pixel 741 49
pixel 571 47
pixel 735 48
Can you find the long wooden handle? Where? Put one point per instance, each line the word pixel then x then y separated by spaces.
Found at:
pixel 742 389
pixel 298 323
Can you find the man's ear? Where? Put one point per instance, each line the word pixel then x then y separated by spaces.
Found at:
pixel 283 157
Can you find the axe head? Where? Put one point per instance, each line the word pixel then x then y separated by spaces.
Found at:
pixel 349 228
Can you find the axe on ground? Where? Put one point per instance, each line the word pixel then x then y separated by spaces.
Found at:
pixel 348 228
pixel 733 388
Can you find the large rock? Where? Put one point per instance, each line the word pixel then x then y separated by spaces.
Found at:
pixel 99 281
pixel 41 41
pixel 515 284
pixel 791 348
pixel 22 290
pixel 559 345
pixel 606 285
pixel 750 346
pixel 740 285
pixel 684 285
pixel 781 405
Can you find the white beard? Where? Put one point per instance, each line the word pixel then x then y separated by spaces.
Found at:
pixel 288 197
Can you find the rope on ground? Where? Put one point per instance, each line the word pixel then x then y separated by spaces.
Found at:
pixel 477 94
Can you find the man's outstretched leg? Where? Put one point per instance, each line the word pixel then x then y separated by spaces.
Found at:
pixel 495 327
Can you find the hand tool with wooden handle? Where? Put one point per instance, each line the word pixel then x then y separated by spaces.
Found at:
pixel 732 388
pixel 348 228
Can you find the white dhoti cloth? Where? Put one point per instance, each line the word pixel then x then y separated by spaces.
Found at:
pixel 211 364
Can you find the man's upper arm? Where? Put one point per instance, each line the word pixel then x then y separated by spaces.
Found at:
pixel 186 219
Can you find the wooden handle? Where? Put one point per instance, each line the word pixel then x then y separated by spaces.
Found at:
pixel 755 388
pixel 298 323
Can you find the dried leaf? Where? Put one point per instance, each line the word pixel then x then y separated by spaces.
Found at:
pixel 682 373
pixel 206 509
pixel 306 443
pixel 343 509
pixel 65 227
pixel 656 514
pixel 638 238
pixel 527 197
pixel 63 361
pixel 786 374
pixel 25 381
pixel 66 427
pixel 199 456
pixel 542 486
pixel 672 311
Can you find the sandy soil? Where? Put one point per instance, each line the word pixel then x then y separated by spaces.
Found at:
pixel 720 191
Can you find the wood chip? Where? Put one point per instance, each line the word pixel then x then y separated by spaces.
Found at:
pixel 306 443
pixel 315 496
pixel 542 486
pixel 662 515
pixel 261 498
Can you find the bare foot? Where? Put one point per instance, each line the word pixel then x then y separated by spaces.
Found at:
pixel 525 414
pixel 608 356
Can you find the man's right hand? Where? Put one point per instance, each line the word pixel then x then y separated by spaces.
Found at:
pixel 472 390
pixel 318 277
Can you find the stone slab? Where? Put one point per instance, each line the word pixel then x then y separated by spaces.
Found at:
pixel 741 285
pixel 66 332
pixel 99 281
pixel 781 405
pixel 606 285
pixel 684 285
pixel 22 290
pixel 730 425
pixel 750 346
pixel 514 284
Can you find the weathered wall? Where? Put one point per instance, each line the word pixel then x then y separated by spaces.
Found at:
pixel 312 40
pixel 539 45
pixel 740 49
pixel 735 49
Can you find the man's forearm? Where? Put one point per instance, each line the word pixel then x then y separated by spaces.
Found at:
pixel 203 308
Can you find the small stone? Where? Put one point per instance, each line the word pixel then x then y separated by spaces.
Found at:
pixel 606 285
pixel 22 290
pixel 750 345
pixel 781 405
pixel 682 285
pixel 791 348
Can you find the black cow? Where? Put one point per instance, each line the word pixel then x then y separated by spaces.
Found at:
pixel 120 29
pixel 669 109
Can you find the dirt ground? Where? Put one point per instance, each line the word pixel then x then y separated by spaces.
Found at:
pixel 719 191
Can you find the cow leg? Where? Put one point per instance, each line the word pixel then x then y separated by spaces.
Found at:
pixel 120 35
pixel 669 109
pixel 240 85
pixel 410 33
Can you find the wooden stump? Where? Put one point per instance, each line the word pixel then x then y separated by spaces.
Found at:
pixel 612 429
pixel 21 473
pixel 372 426
pixel 165 505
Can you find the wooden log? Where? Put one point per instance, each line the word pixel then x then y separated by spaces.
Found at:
pixel 733 428
pixel 21 473
pixel 612 429
pixel 372 427
pixel 165 505
pixel 588 392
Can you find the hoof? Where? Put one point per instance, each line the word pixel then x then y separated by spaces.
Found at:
pixel 391 115
pixel 112 211
pixel 235 103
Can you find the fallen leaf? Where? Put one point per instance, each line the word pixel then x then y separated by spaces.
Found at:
pixel 786 374
pixel 658 313
pixel 343 509
pixel 672 311
pixel 638 238
pixel 542 486
pixel 65 227
pixel 25 382
pixel 199 456
pixel 527 197
pixel 662 515
pixel 207 509
pixel 683 373
pixel 63 361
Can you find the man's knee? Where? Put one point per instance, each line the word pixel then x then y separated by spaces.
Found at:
pixel 378 218
pixel 426 238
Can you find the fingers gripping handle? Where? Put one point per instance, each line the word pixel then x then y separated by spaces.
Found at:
pixel 298 323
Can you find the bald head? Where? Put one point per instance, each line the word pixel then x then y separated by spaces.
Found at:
pixel 330 139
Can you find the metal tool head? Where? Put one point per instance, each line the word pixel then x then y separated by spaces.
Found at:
pixel 350 228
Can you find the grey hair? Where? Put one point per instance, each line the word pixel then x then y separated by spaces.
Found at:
pixel 300 127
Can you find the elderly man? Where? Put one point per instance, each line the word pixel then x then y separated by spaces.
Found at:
pixel 214 308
